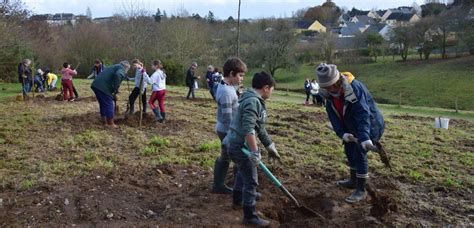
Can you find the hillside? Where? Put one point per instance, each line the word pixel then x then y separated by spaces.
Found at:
pixel 433 83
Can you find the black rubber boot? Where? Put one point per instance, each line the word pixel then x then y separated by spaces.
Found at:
pixel 131 110
pixel 236 200
pixel 220 172
pixel 251 217
pixel 157 114
pixel 163 117
pixel 359 193
pixel 348 183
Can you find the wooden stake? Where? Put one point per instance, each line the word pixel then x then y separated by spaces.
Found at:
pixel 456 105
pixel 400 100
pixel 140 101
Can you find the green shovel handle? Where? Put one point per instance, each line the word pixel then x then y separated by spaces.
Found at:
pixel 265 170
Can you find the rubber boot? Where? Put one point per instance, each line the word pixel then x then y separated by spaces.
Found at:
pixel 132 109
pixel 251 217
pixel 157 115
pixel 236 200
pixel 348 183
pixel 359 193
pixel 220 172
pixel 163 117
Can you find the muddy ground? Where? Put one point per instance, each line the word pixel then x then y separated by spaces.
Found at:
pixel 136 191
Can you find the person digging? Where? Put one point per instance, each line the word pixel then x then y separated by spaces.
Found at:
pixel 106 86
pixel 248 124
pixel 356 119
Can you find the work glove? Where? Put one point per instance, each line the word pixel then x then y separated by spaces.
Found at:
pixel 272 153
pixel 367 145
pixel 347 137
pixel 255 158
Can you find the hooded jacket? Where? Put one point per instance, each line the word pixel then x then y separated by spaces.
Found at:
pixel 250 118
pixel 361 117
pixel 109 80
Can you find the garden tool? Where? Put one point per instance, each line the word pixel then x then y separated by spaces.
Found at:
pixel 116 107
pixel 378 148
pixel 305 210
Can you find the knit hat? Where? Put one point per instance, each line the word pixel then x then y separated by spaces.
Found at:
pixel 40 71
pixel 327 74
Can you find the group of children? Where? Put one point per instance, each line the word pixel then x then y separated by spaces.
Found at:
pixel 351 110
pixel 106 85
pixel 40 82
pixel 241 119
pixel 158 86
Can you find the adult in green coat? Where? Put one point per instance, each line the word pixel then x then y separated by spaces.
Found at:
pixel 105 87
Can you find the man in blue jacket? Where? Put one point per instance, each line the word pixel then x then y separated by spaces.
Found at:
pixel 356 119
pixel 105 87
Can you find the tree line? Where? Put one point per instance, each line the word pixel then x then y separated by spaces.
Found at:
pixel 180 39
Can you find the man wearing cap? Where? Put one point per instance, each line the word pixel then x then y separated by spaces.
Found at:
pixel 355 118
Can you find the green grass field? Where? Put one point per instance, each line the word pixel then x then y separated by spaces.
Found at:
pixel 433 83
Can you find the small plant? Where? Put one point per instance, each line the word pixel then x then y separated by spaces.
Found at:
pixel 27 183
pixel 207 162
pixel 415 175
pixel 158 141
pixel 213 145
pixel 149 150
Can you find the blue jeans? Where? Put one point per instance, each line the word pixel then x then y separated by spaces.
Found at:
pixel 357 158
pixel 246 179
pixel 26 86
pixel 106 104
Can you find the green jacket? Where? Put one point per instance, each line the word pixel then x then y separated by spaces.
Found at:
pixel 250 118
pixel 108 81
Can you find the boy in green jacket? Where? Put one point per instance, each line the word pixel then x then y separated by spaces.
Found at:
pixel 247 124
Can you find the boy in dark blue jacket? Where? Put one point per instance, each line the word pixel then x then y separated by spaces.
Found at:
pixel 356 119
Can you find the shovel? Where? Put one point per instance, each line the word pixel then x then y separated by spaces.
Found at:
pixel 377 148
pixel 305 210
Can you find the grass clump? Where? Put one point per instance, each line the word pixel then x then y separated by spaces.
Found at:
pixel 213 145
pixel 158 141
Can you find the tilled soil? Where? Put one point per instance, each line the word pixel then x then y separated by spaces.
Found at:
pixel 179 195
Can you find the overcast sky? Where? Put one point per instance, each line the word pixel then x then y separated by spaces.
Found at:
pixel 222 9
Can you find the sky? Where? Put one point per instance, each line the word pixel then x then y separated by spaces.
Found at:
pixel 222 9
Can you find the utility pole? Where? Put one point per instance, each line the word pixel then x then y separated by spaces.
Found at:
pixel 238 31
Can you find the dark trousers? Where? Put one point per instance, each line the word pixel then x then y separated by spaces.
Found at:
pixel 308 94
pixel 246 179
pixel 133 97
pixel 211 91
pixel 76 95
pixel 224 155
pixel 357 158
pixel 317 98
pixel 191 92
